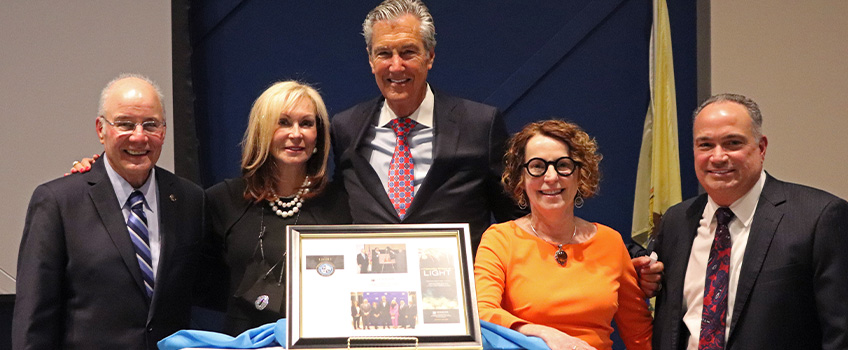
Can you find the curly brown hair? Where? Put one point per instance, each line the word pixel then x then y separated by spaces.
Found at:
pixel 582 148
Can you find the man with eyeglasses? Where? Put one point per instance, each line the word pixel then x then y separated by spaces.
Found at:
pixel 108 258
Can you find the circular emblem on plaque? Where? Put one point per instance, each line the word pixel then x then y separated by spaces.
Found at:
pixel 326 269
pixel 261 302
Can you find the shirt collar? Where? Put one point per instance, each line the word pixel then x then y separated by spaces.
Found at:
pixel 423 115
pixel 123 189
pixel 744 207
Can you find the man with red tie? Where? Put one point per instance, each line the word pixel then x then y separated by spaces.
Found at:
pixel 755 263
pixel 416 154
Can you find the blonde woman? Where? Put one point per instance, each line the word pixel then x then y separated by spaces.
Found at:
pixel 283 182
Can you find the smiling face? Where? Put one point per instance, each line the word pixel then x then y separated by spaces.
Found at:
pixel 550 191
pixel 728 156
pixel 295 136
pixel 400 63
pixel 132 155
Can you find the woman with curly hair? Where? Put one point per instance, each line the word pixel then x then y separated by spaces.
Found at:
pixel 552 274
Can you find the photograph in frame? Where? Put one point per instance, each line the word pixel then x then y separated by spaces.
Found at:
pixel 381 285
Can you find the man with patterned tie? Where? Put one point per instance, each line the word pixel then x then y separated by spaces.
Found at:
pixel 755 263
pixel 108 258
pixel 416 154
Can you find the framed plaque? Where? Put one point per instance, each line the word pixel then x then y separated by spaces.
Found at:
pixel 381 286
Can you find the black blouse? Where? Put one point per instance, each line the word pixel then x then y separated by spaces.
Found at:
pixel 236 224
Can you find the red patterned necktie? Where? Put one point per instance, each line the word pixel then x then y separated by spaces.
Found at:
pixel 401 169
pixel 716 287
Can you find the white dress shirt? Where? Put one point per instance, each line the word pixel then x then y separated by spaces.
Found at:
pixel 150 190
pixel 696 272
pixel 381 140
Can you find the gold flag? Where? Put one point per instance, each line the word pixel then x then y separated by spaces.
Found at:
pixel 658 174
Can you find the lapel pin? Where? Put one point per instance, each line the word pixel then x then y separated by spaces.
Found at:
pixel 173 198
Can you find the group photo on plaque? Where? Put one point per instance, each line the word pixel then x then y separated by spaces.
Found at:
pixel 382 259
pixel 375 310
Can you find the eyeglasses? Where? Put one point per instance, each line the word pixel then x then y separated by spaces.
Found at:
pixel 564 166
pixel 150 127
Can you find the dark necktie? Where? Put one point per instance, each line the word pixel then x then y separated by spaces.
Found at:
pixel 401 177
pixel 716 287
pixel 137 225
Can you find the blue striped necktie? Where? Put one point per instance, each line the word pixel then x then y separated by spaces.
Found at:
pixel 137 224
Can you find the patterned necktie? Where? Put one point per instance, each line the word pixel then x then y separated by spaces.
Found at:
pixel 137 225
pixel 716 287
pixel 401 175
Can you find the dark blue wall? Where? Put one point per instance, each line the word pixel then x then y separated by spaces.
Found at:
pixel 582 60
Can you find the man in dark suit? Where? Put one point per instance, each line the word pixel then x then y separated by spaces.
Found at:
pixel 376 266
pixel 362 261
pixel 107 259
pixel 456 145
pixel 769 270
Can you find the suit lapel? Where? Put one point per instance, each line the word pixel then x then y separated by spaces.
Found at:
pixel 168 198
pixel 366 173
pixel 766 220
pixel 105 201
pixel 677 272
pixel 447 115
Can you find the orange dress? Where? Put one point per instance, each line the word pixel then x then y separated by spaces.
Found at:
pixel 519 282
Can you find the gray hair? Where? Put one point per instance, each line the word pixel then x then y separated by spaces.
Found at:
pixel 390 10
pixel 104 94
pixel 749 104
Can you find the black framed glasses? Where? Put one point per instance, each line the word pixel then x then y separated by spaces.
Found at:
pixel 564 166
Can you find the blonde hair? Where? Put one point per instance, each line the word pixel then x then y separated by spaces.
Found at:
pixel 259 172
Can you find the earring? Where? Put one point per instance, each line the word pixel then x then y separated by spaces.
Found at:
pixel 522 201
pixel 315 150
pixel 578 200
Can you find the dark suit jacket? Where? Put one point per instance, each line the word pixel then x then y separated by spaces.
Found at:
pixel 794 279
pixel 79 284
pixel 463 184
pixel 362 261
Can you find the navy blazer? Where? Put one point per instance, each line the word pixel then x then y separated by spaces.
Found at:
pixel 79 284
pixel 791 291
pixel 463 184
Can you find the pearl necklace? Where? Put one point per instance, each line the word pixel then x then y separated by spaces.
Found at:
pixel 561 256
pixel 278 206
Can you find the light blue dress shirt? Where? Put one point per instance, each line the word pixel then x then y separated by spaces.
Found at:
pixel 380 142
pixel 150 190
